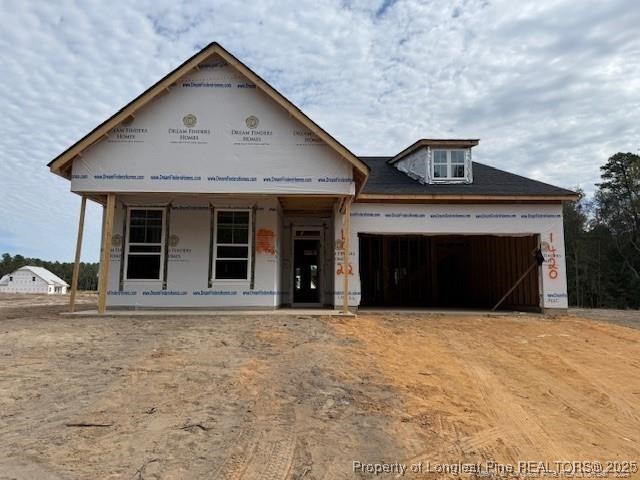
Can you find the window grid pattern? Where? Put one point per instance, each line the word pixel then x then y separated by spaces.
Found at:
pixel 232 248
pixel 448 164
pixel 145 244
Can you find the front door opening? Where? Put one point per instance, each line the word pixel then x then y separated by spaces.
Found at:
pixel 306 271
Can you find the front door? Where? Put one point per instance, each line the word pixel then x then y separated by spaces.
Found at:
pixel 306 271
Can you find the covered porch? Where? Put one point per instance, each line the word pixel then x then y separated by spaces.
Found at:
pixel 220 251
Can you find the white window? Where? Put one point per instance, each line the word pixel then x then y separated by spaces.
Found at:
pixel 232 244
pixel 448 164
pixel 33 279
pixel 145 244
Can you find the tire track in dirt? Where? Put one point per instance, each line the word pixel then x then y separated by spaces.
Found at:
pixel 265 447
pixel 551 363
pixel 421 377
pixel 260 452
pixel 592 401
pixel 607 381
pixel 520 430
pixel 628 410
pixel 273 458
pixel 280 398
pixel 236 464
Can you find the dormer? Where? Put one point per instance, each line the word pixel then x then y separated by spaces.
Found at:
pixel 436 161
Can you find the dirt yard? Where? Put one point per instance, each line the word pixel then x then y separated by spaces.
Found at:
pixel 285 397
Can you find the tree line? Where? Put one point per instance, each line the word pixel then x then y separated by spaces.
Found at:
pixel 602 238
pixel 87 279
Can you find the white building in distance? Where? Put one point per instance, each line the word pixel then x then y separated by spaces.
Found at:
pixel 30 279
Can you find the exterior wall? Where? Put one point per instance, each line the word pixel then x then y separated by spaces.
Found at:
pixel 212 132
pixel 544 220
pixel 188 254
pixel 187 264
pixel 23 283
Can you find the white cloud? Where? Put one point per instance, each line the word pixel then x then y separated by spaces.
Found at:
pixel 550 88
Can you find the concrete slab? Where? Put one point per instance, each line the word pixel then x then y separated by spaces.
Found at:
pixel 428 311
pixel 307 312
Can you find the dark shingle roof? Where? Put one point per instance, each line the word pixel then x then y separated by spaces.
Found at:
pixel 386 179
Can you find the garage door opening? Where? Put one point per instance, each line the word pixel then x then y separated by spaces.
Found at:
pixel 452 271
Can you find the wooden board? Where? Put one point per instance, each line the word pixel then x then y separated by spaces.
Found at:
pixel 105 258
pixel 76 263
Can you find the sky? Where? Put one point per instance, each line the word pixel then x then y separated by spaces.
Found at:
pixel 551 88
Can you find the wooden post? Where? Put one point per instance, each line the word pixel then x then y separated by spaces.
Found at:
pixel 76 264
pixel 105 258
pixel 346 229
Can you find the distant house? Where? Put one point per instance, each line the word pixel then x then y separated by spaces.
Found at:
pixel 30 279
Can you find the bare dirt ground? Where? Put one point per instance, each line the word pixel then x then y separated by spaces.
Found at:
pixel 284 397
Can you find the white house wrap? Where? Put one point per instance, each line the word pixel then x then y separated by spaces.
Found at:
pixel 220 193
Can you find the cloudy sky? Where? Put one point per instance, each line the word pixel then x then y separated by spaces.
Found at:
pixel 552 88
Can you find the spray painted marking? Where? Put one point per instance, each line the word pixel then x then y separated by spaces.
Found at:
pixel 265 241
pixel 551 250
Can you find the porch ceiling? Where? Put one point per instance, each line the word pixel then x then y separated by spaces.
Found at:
pixel 307 204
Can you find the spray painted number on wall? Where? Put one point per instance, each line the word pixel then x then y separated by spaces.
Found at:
pixel 551 250
pixel 340 269
pixel 340 255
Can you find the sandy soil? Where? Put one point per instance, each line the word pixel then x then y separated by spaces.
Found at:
pixel 284 397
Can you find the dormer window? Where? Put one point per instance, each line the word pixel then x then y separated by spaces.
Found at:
pixel 431 161
pixel 448 164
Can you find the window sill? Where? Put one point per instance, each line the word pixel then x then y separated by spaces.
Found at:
pixel 141 280
pixel 229 282
pixel 449 180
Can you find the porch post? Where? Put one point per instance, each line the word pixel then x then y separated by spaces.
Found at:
pixel 105 258
pixel 76 264
pixel 346 228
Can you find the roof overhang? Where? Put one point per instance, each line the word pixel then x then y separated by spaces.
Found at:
pixel 61 165
pixel 435 143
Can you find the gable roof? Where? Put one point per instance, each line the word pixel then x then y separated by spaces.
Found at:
pixel 61 165
pixel 385 179
pixel 41 272
pixel 374 176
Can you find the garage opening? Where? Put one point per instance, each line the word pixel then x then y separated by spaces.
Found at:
pixel 448 271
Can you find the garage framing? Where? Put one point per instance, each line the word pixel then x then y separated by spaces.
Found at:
pixel 448 271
